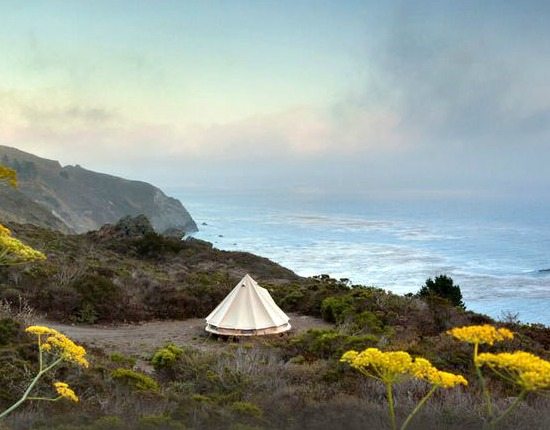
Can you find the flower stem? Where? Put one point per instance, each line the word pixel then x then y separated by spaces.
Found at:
pixel 509 409
pixel 418 407
pixel 45 399
pixel 484 390
pixel 23 398
pixel 29 388
pixel 389 392
pixel 39 353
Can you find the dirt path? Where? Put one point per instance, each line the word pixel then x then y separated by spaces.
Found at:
pixel 140 340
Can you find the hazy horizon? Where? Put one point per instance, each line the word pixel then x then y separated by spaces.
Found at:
pixel 431 99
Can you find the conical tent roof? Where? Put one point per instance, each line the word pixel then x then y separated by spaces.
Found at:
pixel 247 310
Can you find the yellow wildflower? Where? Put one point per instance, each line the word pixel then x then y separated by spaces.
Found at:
pixel 38 329
pixel 67 349
pixel 58 343
pixel 8 175
pixel 386 366
pixel 448 380
pixel 522 368
pixel 65 391
pixel 480 334
pixel 423 369
pixel 13 251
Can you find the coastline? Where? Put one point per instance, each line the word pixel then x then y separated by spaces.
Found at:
pixel 389 250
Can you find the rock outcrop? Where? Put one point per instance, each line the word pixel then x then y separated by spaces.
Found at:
pixel 126 228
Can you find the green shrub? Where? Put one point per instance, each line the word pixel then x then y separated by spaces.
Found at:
pixel 153 245
pixel 107 423
pixel 333 309
pixel 137 380
pixel 159 422
pixel 166 356
pixel 9 331
pixel 242 426
pixel 200 398
pixel 99 297
pixel 87 314
pixel 291 299
pixel 247 409
pixel 117 357
pixel 368 321
pixel 325 344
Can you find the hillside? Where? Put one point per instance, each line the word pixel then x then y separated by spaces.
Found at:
pixel 82 200
pixel 124 290
pixel 15 206
pixel 126 272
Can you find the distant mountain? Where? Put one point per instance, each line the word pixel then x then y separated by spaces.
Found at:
pixel 73 199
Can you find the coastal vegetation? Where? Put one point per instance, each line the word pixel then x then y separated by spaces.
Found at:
pixel 298 381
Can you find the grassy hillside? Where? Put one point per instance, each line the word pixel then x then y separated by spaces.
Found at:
pixel 17 207
pixel 105 276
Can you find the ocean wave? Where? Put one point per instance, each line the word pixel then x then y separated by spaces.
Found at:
pixel 490 261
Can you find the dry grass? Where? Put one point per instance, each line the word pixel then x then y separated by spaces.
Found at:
pixel 20 311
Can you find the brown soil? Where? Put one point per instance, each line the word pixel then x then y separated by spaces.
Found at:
pixel 140 340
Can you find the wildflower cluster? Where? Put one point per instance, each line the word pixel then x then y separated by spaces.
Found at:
pixel 423 369
pixel 526 370
pixel 59 344
pixel 65 391
pixel 8 175
pixel 385 366
pixel 63 349
pixel 481 334
pixel 389 366
pixel 13 251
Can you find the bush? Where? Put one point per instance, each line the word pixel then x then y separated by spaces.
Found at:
pixel 351 309
pixel 100 298
pixel 333 309
pixel 9 331
pixel 367 321
pixel 121 359
pixel 443 287
pixel 327 344
pixel 153 245
pixel 159 422
pixel 166 356
pixel 247 409
pixel 137 380
pixel 107 423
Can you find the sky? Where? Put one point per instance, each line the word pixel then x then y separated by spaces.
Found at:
pixel 396 98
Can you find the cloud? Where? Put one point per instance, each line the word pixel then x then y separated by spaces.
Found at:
pixel 454 80
pixel 453 100
pixel 299 132
pixel 72 114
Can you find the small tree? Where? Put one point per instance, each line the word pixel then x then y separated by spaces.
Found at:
pixel 442 286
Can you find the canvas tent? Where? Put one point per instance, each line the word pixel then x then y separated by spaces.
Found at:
pixel 248 310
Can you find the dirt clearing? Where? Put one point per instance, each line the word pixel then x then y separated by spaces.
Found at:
pixel 140 340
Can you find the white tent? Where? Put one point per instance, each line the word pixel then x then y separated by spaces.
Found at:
pixel 248 310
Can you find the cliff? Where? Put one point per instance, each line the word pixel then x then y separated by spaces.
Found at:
pixel 71 198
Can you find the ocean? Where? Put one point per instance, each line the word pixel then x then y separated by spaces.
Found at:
pixel 498 251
